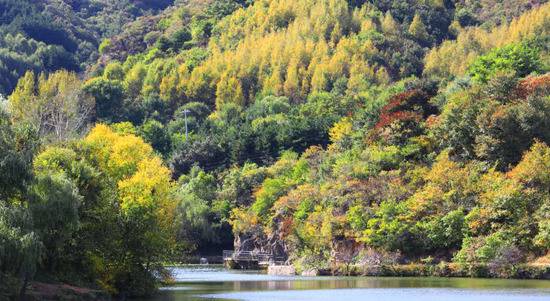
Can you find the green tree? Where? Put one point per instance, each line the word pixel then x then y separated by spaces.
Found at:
pixel 521 59
pixel 54 206
pixel 15 160
pixel 21 246
pixel 197 193
pixel 156 135
pixel 109 97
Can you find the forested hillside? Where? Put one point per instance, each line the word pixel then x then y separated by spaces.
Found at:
pixel 328 132
pixel 48 35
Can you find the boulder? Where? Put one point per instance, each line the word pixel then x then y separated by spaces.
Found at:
pixel 281 270
pixel 310 273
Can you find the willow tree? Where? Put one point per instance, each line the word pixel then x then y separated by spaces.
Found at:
pixel 20 247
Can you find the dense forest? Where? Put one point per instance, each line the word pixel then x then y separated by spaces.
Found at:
pixel 135 133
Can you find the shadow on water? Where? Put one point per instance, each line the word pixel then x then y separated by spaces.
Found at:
pixel 208 283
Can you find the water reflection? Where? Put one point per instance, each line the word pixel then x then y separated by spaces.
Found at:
pixel 214 283
pixel 409 294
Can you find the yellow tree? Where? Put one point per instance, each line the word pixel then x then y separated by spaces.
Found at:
pixel 418 30
pixel 389 25
pixel 319 81
pixel 532 173
pixel 55 105
pixel 145 205
pixel 134 80
pixel 229 90
pixel 169 91
pixel 273 84
pixel 292 82
pixel 22 98
pixel 114 71
pixel 474 41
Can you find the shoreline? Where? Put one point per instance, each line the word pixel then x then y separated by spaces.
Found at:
pixel 444 269
pixel 448 270
pixel 62 291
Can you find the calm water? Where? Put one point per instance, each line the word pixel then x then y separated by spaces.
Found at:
pixel 203 283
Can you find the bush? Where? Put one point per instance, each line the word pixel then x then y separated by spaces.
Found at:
pixel 312 260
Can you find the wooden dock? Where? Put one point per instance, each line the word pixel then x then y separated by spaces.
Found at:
pixel 250 260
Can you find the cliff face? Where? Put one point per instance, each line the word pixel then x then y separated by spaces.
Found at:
pixel 257 241
pixel 344 251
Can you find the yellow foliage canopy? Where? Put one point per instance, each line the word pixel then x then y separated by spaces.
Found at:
pixel 141 178
pixel 452 58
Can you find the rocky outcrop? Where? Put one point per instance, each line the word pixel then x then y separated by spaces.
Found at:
pixel 281 270
pixel 257 241
pixel 310 273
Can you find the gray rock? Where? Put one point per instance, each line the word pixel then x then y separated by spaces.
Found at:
pixel 281 270
pixel 310 273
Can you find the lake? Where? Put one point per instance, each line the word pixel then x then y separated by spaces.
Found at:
pixel 212 283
